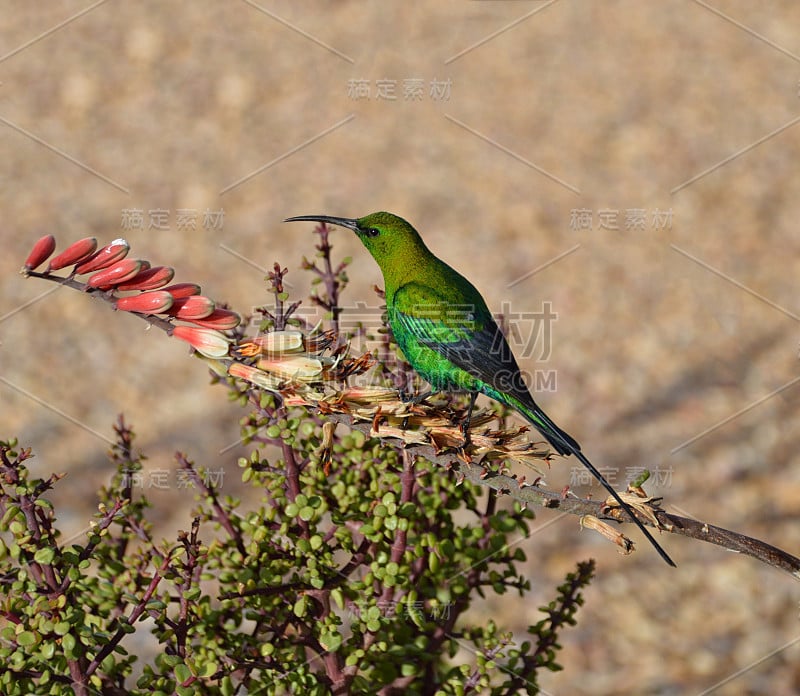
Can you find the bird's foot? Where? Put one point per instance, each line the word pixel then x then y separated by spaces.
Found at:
pixel 467 440
pixel 466 422
pixel 412 398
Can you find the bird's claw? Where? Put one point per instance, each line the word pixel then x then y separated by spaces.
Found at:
pixel 465 434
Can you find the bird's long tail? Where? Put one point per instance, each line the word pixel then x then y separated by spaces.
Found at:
pixel 566 445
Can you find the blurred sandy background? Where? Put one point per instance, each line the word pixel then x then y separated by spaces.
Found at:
pixel 664 330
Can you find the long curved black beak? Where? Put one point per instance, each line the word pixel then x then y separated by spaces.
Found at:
pixel 342 222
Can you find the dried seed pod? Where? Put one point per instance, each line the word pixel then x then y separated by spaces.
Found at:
pixel 208 342
pixel 105 257
pixel 220 319
pixel 609 532
pixel 316 343
pixel 149 279
pixel 74 253
pixel 116 274
pixel 193 307
pixel 40 253
pixel 155 302
pixel 179 290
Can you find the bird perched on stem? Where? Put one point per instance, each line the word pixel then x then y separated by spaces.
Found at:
pixel 447 333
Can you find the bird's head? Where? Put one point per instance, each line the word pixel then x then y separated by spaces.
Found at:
pixel 387 237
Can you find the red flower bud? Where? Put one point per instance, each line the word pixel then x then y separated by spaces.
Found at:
pixel 116 274
pixel 74 253
pixel 191 308
pixel 149 279
pixel 208 342
pixel 109 254
pixel 40 253
pixel 156 302
pixel 183 290
pixel 220 319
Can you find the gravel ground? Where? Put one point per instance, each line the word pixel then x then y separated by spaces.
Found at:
pixel 628 162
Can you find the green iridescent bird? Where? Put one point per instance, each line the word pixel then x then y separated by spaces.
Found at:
pixel 447 333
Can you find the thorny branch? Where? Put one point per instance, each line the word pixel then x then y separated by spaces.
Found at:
pixel 424 442
pixel 508 484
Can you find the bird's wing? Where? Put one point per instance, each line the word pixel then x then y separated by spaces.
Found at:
pixel 465 334
pixel 468 337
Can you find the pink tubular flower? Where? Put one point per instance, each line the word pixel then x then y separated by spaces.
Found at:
pixel 303 368
pixel 109 254
pixel 155 302
pixel 192 308
pixel 40 253
pixel 116 274
pixel 207 342
pixel 280 342
pixel 74 253
pixel 149 279
pixel 254 376
pixel 183 290
pixel 220 319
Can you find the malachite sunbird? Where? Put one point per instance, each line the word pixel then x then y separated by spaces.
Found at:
pixel 447 333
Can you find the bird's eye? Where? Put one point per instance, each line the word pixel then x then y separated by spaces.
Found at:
pixel 372 232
